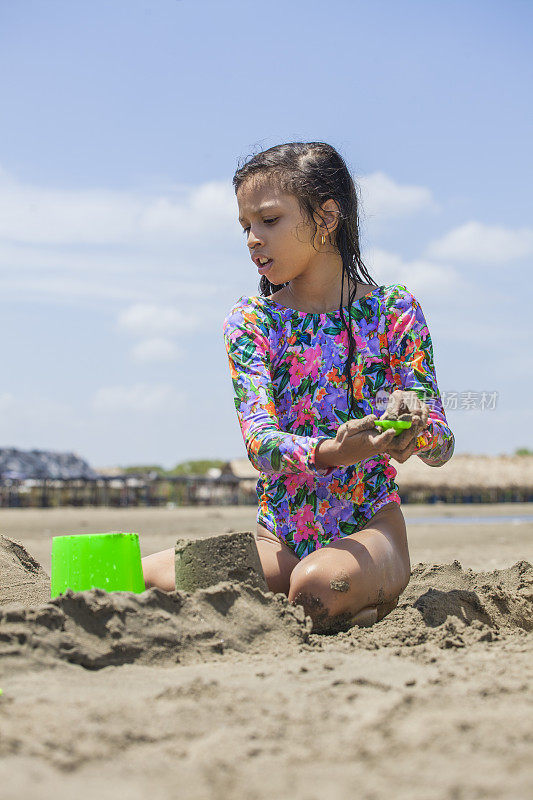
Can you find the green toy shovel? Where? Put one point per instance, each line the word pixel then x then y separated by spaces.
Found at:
pixel 398 424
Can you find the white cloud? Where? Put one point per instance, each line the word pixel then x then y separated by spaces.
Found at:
pixel 146 319
pixel 382 197
pixel 141 397
pixel 118 247
pixel 156 350
pixel 477 243
pixel 209 207
pixel 60 274
pixel 419 275
pixel 144 249
pixel 32 214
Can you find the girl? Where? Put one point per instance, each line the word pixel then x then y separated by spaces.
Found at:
pixel 308 383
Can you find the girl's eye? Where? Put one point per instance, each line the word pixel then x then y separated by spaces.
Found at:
pixel 273 219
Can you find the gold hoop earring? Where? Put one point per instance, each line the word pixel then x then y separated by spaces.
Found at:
pixel 323 239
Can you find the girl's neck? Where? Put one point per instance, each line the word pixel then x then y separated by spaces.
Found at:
pixel 319 299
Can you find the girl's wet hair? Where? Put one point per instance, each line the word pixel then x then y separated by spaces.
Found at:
pixel 315 172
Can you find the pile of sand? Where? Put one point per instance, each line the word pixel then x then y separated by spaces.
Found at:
pixel 451 607
pixel 22 579
pixel 97 629
pixel 443 605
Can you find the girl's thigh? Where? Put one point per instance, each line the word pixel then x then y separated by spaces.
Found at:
pixel 277 560
pixel 368 568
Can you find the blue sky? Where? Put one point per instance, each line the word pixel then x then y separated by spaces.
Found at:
pixel 120 250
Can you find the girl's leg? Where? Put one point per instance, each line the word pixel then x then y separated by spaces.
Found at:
pixel 356 579
pixel 277 560
pixel 158 570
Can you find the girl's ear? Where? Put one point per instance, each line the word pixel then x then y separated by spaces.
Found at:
pixel 331 214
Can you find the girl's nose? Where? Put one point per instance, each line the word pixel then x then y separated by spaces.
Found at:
pixel 253 240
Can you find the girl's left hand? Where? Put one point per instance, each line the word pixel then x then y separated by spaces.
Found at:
pixel 405 402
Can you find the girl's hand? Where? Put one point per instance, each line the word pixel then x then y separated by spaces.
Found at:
pixel 405 404
pixel 358 439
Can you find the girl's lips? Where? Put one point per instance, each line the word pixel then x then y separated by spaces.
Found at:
pixel 266 267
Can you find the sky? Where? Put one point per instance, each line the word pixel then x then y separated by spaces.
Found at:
pixel 122 125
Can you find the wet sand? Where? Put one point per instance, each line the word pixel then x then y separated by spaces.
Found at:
pixel 480 547
pixel 227 692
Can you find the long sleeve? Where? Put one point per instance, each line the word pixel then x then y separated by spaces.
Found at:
pixel 269 449
pixel 413 369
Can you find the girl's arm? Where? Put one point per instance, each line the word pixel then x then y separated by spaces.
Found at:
pixel 269 449
pixel 413 369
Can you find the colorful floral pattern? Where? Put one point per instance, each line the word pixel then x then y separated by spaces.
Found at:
pixel 290 393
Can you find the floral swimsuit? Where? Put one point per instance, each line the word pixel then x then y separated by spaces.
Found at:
pixel 290 393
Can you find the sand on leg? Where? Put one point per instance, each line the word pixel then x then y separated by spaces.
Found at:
pixel 356 579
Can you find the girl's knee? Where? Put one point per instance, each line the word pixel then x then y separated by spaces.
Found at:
pixel 329 590
pixel 314 586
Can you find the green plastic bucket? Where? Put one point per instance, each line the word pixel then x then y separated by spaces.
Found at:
pixel 110 561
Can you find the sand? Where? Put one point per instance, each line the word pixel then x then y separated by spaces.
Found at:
pixel 23 580
pixel 227 692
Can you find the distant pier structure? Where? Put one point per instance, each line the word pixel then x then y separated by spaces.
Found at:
pixel 47 479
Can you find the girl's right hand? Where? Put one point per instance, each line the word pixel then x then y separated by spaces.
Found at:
pixel 358 439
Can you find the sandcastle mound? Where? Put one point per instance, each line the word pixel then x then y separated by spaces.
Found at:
pixel 97 629
pixel 444 605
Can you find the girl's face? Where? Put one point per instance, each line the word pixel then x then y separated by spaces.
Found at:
pixel 275 227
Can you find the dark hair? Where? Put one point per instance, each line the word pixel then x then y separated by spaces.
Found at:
pixel 315 172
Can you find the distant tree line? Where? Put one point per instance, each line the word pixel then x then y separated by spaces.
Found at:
pixel 185 468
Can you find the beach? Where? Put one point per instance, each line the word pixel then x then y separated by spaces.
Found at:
pixel 227 692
